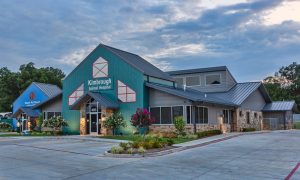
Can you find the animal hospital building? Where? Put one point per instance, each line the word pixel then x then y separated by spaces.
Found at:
pixel 110 80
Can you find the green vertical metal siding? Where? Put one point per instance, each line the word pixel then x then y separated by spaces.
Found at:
pixel 118 70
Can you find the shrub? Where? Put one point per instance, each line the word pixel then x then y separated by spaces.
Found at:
pixel 170 142
pixel 179 125
pixel 248 129
pixel 208 133
pixel 142 119
pixel 168 134
pixel 115 121
pixel 130 150
pixel 141 150
pixel 124 145
pixel 117 150
pixel 55 123
pixel 4 125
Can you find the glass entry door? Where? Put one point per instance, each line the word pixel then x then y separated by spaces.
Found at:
pixel 94 124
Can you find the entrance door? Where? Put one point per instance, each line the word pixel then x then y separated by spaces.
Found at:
pixel 94 124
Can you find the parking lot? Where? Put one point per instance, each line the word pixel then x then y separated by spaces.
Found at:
pixel 257 156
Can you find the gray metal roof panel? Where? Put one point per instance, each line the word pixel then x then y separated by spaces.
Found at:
pixel 280 106
pixel 198 70
pixel 190 94
pixel 238 93
pixel 49 89
pixel 141 64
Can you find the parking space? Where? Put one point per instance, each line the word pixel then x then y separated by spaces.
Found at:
pixel 257 156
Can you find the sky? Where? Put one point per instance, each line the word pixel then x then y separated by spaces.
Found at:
pixel 253 38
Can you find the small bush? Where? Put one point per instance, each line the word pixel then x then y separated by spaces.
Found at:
pixel 141 150
pixel 208 133
pixel 170 142
pixel 130 150
pixel 248 129
pixel 4 125
pixel 124 145
pixel 117 150
pixel 168 135
pixel 179 125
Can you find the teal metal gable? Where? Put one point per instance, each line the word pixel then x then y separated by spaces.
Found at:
pixel 118 69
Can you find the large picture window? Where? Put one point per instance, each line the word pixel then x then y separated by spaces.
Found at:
pixel 213 79
pixel 100 68
pixel 166 116
pixel 177 111
pixel 201 115
pixel 125 93
pixel 179 81
pixel 76 95
pixel 155 113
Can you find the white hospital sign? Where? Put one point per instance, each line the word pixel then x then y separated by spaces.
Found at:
pixel 100 84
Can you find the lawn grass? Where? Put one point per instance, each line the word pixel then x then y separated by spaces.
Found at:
pixel 297 125
pixel 177 140
pixel 9 135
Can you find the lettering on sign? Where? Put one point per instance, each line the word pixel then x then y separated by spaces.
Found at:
pixel 99 84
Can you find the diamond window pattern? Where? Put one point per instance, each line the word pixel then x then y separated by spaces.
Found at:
pixel 125 93
pixel 76 95
pixel 100 68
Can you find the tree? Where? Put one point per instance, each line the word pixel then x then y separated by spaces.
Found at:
pixel 142 120
pixel 285 84
pixel 115 121
pixel 12 84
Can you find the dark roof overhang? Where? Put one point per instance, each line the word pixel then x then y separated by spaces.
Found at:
pixel 27 110
pixel 103 101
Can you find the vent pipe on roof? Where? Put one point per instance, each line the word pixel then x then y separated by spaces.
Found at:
pixel 205 95
pixel 184 87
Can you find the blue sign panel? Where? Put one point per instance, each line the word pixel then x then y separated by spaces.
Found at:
pixel 32 96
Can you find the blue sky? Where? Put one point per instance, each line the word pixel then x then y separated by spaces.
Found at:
pixel 253 38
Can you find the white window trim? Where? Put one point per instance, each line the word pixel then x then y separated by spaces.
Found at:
pixel 193 76
pixel 228 115
pixel 219 74
pixel 171 112
pixel 207 114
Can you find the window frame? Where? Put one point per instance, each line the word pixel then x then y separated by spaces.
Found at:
pixel 100 70
pixel 76 97
pixel 204 107
pixel 126 93
pixel 229 116
pixel 248 117
pixel 192 77
pixel 172 122
pixel 205 80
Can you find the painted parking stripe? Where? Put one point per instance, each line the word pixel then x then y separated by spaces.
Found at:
pixel 292 172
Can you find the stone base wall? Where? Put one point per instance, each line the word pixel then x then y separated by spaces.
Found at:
pixel 188 128
pixel 255 122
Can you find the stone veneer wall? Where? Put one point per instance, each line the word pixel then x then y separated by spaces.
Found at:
pixel 254 122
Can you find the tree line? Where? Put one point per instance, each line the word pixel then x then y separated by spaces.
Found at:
pixel 285 84
pixel 12 84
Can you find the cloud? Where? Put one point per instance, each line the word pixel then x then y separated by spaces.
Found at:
pixel 253 37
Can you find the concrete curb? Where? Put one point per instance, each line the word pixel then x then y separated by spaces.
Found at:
pixel 179 149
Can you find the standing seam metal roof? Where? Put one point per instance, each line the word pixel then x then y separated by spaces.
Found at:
pixel 238 93
pixel 280 106
pixel 138 62
pixel 49 89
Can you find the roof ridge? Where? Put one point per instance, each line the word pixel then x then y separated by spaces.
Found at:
pixel 198 68
pixel 118 49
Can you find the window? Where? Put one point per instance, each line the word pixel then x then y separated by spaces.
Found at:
pixel 177 111
pixel 125 93
pixel 255 115
pixel 241 113
pixel 188 114
pixel 192 81
pixel 213 79
pixel 100 68
pixel 179 81
pixel 155 113
pixel 166 117
pixel 201 115
pixel 49 115
pixel 227 114
pixel 76 95
pixel 248 117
